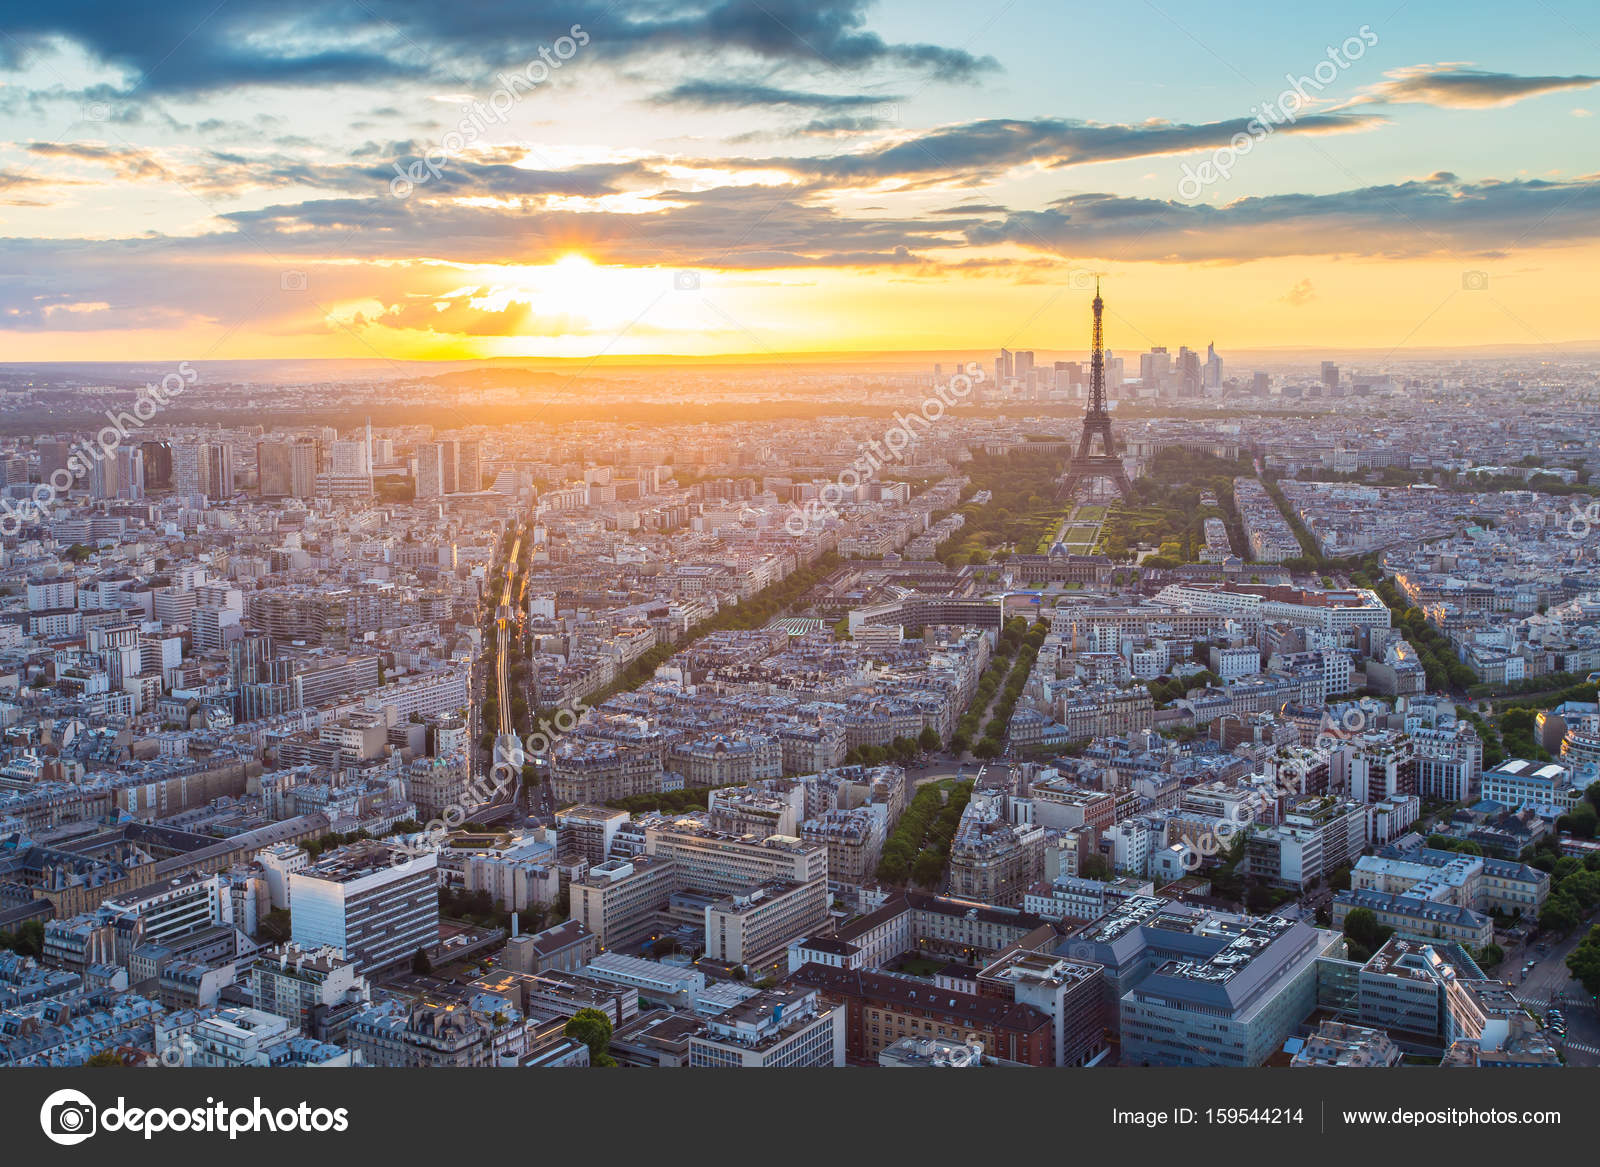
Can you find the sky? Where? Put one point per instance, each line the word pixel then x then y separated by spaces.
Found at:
pixel 411 179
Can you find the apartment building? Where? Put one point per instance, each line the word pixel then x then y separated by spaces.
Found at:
pixel 784 1028
pixel 1068 992
pixel 713 863
pixel 881 1009
pixel 1518 783
pixel 854 840
pixel 619 900
pixel 1316 838
pixel 992 859
pixel 754 928
pixel 315 991
pixel 1236 992
pixel 375 912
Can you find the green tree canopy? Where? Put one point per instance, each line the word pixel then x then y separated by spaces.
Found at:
pixel 1362 926
pixel 593 1028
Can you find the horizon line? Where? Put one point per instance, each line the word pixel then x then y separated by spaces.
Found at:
pixel 1567 348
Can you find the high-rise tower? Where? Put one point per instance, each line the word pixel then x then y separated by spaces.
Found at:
pixel 1089 464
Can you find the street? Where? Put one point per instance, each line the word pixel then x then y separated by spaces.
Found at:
pixel 1549 983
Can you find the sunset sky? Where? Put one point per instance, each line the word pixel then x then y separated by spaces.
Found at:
pixel 196 179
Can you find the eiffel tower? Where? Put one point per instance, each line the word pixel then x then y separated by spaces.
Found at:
pixel 1087 465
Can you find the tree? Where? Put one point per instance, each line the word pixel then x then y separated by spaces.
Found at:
pixel 1258 898
pixel 27 940
pixel 1584 961
pixel 929 739
pixel 1583 886
pixel 593 1028
pixel 1559 914
pixel 1095 867
pixel 928 868
pixel 420 964
pixel 1581 821
pixel 274 926
pixel 1362 926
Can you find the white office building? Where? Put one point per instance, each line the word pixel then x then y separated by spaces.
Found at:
pixel 373 910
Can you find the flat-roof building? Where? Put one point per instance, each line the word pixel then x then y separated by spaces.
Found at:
pixel 377 913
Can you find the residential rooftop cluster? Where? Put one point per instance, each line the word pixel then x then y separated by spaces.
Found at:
pixel 693 745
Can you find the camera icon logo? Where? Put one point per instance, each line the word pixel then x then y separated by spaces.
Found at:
pixel 1475 281
pixel 686 281
pixel 292 281
pixel 96 111
pixel 68 1117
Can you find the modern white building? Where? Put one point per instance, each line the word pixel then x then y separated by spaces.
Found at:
pixel 280 861
pixel 1518 783
pixel 658 984
pixel 376 911
pixel 778 1029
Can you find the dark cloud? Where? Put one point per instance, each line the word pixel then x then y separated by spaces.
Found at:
pixel 229 173
pixel 361 248
pixel 745 95
pixel 458 177
pixel 457 315
pixel 733 227
pixel 200 46
pixel 1456 87
pixel 835 127
pixel 233 273
pixel 989 147
pixel 1429 217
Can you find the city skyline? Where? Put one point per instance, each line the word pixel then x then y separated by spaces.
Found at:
pixel 605 181
pixel 798 535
